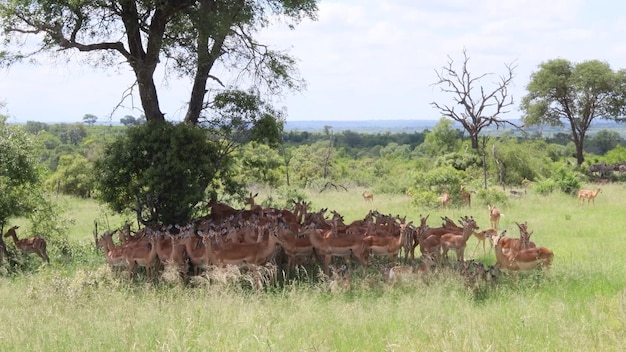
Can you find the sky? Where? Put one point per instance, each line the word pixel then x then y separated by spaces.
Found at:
pixel 361 60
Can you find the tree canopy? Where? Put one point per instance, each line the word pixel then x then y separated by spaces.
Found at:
pixel 562 92
pixel 190 38
pixel 19 175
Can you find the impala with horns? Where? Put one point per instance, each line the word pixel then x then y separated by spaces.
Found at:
pixel 257 253
pixel 524 259
pixel 388 245
pixel 458 242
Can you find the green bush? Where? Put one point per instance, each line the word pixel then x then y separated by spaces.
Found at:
pixel 491 196
pixel 545 186
pixel 568 182
pixel 160 168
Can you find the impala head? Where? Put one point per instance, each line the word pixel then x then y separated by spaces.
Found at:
pixel 11 230
pixel 496 239
pixel 423 219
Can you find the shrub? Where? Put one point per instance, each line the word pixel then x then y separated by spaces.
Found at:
pixel 161 168
pixel 491 196
pixel 545 186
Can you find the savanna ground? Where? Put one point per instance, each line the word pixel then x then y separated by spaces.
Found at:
pixel 579 306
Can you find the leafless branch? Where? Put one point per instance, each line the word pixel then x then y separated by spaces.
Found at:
pixel 479 110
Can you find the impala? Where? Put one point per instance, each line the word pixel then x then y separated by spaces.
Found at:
pixel 294 246
pixel 338 246
pixel 220 211
pixel 458 242
pixel 125 234
pixel 35 244
pixel 142 254
pixel 387 245
pixel 177 255
pixel 430 245
pixel 445 200
pixel 466 197
pixel 482 236
pixel 196 250
pixel 242 253
pixel 522 260
pixel 368 197
pixel 494 216
pixel 589 195
pixel 114 254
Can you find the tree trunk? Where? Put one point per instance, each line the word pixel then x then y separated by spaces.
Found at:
pixel 474 139
pixel 206 59
pixel 579 139
pixel 484 157
pixel 149 97
pixel 144 62
pixel 580 158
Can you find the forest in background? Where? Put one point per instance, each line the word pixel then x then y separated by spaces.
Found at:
pixel 420 164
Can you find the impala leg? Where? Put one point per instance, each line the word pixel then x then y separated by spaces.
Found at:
pixel 327 259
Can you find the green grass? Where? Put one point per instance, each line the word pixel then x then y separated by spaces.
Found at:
pixel 581 305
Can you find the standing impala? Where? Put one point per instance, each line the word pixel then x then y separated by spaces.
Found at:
pixel 589 195
pixel 29 245
pixel 114 254
pixel 524 259
pixel 458 242
pixel 494 216
pixel 343 246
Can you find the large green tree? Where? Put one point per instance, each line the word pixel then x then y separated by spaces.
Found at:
pixel 564 93
pixel 192 38
pixel 19 175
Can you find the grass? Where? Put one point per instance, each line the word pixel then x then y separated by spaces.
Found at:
pixel 581 305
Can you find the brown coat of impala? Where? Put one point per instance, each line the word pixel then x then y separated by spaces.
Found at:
pixel 35 244
pixel 343 246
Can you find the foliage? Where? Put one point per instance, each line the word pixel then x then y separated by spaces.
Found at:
pixel 238 117
pixel 195 39
pixel 616 155
pixel 459 161
pixel 491 196
pixel 90 119
pixel 562 92
pixel 261 165
pixel 306 163
pixel 567 180
pixel 563 180
pixel 20 177
pixel 441 140
pixel 432 183
pixel 603 141
pixel 74 176
pixel 130 120
pixel 159 170
pixel 545 186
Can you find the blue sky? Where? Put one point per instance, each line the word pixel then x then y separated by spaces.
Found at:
pixel 362 60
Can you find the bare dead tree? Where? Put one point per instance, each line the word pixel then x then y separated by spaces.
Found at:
pixel 477 110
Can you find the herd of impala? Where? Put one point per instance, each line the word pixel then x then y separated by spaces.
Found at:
pixel 259 235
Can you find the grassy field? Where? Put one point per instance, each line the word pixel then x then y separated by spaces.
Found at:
pixel 580 306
